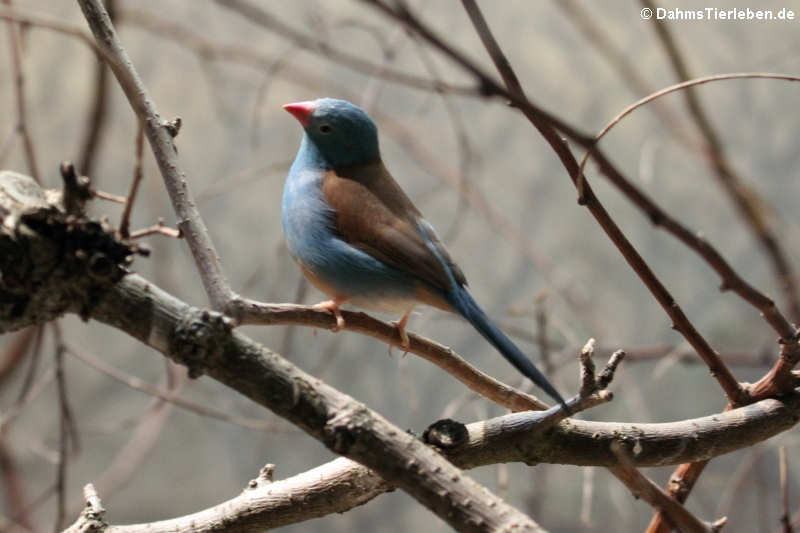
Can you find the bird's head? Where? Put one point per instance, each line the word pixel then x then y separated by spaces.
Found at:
pixel 342 132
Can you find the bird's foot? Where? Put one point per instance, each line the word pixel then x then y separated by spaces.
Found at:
pixel 333 307
pixel 401 330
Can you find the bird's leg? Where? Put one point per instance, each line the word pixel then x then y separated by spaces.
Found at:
pixel 401 329
pixel 333 307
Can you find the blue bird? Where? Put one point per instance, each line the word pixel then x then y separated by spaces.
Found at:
pixel 358 238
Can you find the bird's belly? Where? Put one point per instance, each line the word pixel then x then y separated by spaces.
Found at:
pixel 387 298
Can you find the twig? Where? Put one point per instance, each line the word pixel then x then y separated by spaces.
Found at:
pixel 98 117
pixel 642 487
pixel 784 480
pixel 587 492
pixel 734 392
pixel 125 222
pixel 746 199
pixel 77 189
pixel 143 438
pixel 257 15
pixel 65 418
pixel 730 279
pixel 161 141
pixel 157 228
pixel 600 38
pixel 14 351
pixel 19 91
pixel 681 483
pixel 108 196
pixel 137 384
pixel 35 390
pixel 13 487
pixel 251 312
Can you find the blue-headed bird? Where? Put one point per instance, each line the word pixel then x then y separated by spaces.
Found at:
pixel 358 238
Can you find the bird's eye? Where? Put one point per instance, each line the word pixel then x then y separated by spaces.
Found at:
pixel 325 128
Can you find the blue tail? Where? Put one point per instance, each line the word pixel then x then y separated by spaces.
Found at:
pixel 462 301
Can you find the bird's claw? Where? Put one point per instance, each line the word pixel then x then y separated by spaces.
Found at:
pixel 401 330
pixel 333 307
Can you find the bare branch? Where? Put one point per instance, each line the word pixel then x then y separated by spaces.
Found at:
pixel 140 385
pixel 783 471
pixel 544 124
pixel 256 15
pixel 98 116
pixel 161 142
pixel 125 222
pixel 204 342
pixel 251 312
pixel 157 229
pixel 642 487
pixel 744 198
pixel 343 484
pixel 23 124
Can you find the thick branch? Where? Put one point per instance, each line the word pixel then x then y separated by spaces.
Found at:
pixel 342 484
pixel 203 342
pixel 47 256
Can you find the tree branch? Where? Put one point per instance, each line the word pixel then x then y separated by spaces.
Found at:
pixel 204 342
pixel 52 264
pixel 161 141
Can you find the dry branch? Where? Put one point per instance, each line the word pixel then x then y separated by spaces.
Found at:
pixel 203 342
pixel 66 276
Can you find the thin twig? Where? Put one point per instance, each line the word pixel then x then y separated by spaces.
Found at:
pixel 65 418
pixel 16 502
pixel 159 135
pixel 14 351
pixel 125 222
pixel 157 229
pixel 164 394
pixel 98 116
pixel 23 124
pixel 748 202
pixel 600 37
pixel 110 197
pixel 677 514
pixel 252 312
pixel 545 122
pixel 783 467
pixel 255 14
pixel 730 279
pixel 35 390
pixel 734 392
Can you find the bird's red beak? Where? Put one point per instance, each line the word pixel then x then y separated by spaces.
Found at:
pixel 301 111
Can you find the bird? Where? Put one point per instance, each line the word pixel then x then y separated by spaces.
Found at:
pixel 359 239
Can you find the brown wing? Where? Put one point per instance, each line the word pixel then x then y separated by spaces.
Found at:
pixel 373 214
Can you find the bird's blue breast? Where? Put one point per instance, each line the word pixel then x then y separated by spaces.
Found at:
pixel 309 224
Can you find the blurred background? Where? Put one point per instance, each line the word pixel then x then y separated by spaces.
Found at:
pixel 536 261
